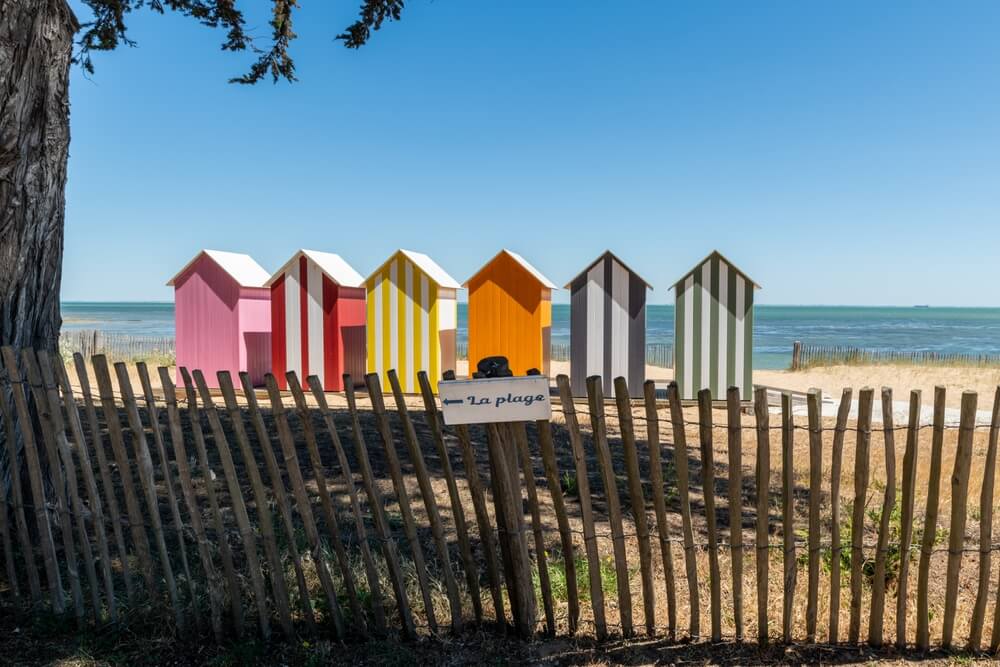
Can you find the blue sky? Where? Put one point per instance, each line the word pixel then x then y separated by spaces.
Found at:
pixel 840 153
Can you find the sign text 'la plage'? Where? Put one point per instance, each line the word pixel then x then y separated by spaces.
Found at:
pixel 495 400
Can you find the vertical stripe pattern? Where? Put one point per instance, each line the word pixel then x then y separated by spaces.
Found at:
pixel 713 331
pixel 608 326
pixel 406 320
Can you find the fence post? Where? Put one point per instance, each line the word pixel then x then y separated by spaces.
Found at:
pixel 835 547
pixel 735 503
pixel 876 616
pixel 797 355
pixel 763 479
pixel 814 402
pixel 985 528
pixel 930 522
pixel 586 511
pixel 861 463
pixel 659 503
pixel 684 494
pixel 788 513
pixel 960 490
pixel 906 537
pixel 520 434
pixel 637 501
pixel 596 396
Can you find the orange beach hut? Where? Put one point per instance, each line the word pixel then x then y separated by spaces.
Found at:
pixel 510 313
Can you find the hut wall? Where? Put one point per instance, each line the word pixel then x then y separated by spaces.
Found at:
pixel 509 315
pixel 318 327
pixel 608 327
pixel 207 320
pixel 411 324
pixel 713 333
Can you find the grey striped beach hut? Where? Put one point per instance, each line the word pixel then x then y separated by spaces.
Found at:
pixel 608 325
pixel 713 329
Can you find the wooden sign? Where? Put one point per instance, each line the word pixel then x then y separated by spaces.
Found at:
pixel 495 400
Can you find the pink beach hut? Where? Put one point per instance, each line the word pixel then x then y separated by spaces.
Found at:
pixel 222 315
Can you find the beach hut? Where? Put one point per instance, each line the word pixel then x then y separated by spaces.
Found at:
pixel 412 318
pixel 510 313
pixel 317 320
pixel 608 325
pixel 713 329
pixel 222 316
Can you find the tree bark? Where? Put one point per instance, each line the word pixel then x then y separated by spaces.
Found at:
pixel 36 45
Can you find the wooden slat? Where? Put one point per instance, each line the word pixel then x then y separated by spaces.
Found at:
pixel 347 478
pixel 814 401
pixel 836 467
pixel 136 522
pixel 551 469
pixel 326 502
pixel 168 482
pixel 72 481
pixel 147 480
pixel 53 578
pixel 208 480
pixel 457 511
pixel 861 465
pixel 486 534
pixel 876 618
pixel 375 501
pixel 282 603
pixel 586 510
pixel 595 394
pixel 788 514
pixel 279 493
pixel 659 503
pixel 110 499
pixel 302 503
pixel 684 494
pixel 906 529
pixel 959 509
pixel 50 433
pixel 17 493
pixel 638 502
pixel 8 447
pixel 985 530
pixel 763 478
pixel 402 495
pixel 213 584
pixel 528 470
pixel 930 521
pixel 705 438
pixel 430 501
pixel 735 503
pixel 509 507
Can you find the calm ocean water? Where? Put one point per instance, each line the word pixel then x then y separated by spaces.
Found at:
pixel 946 330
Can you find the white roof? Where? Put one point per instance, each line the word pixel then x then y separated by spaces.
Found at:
pixel 332 265
pixel 524 264
pixel 244 269
pixel 427 265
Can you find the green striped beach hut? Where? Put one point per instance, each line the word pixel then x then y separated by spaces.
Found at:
pixel 713 329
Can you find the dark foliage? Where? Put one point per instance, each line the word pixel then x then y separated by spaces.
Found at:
pixel 108 29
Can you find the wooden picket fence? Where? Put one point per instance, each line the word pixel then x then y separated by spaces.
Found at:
pixel 116 345
pixel 809 356
pixel 201 503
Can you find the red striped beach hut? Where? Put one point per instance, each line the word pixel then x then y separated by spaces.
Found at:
pixel 318 319
pixel 222 316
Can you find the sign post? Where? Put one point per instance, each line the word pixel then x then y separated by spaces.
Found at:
pixel 499 403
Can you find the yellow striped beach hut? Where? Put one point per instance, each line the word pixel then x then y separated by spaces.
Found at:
pixel 412 319
pixel 713 329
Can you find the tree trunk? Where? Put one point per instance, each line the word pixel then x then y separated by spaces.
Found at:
pixel 36 44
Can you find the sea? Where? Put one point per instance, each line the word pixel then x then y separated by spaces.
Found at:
pixel 776 328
